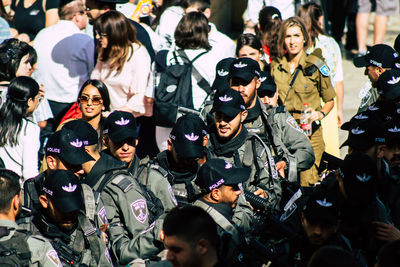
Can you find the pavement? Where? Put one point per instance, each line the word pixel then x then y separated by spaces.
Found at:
pixel 354 78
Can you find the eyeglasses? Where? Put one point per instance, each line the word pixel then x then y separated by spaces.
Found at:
pixel 100 34
pixel 96 100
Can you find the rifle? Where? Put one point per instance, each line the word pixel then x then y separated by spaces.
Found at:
pixel 67 255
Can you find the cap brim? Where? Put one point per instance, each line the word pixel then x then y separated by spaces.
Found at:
pixel 77 158
pixel 119 136
pixel 238 176
pixel 360 62
pixel 243 75
pixel 346 126
pixel 188 150
pixel 227 110
pixel 70 204
pixel 220 85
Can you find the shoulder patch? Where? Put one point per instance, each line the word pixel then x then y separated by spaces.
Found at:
pixel 53 257
pixel 324 70
pixel 139 210
pixel 292 123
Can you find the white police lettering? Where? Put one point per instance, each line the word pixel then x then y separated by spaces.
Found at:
pixel 222 72
pixel 363 178
pixel 397 65
pixel 394 80
pixel 242 107
pixel 217 184
pixel 240 65
pixel 262 79
pixel 228 165
pixel 139 210
pixel 204 132
pixel 85 143
pixel 105 131
pixel 257 73
pixel 376 63
pixel 53 257
pixel 69 188
pixel 324 203
pixel 173 137
pixel 357 131
pixel 361 117
pixel 122 122
pixel 395 55
pixel 53 149
pixel 380 140
pixel 76 143
pixel 225 98
pixel 48 191
pixel 191 137
pixel 394 130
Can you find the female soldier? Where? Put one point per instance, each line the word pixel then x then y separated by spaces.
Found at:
pixel 303 79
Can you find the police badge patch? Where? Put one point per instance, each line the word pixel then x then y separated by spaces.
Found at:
pixel 292 123
pixel 139 210
pixel 53 257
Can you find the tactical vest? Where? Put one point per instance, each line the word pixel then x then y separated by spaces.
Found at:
pixel 124 180
pixel 14 252
pixel 185 193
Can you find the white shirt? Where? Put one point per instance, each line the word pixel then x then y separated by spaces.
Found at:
pixel 166 28
pixel 222 45
pixel 286 7
pixel 65 60
pixel 23 158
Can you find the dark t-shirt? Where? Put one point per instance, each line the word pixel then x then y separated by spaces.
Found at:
pixel 32 19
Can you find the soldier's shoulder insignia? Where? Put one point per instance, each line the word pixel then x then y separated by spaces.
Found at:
pixel 53 257
pixel 292 123
pixel 324 70
pixel 139 210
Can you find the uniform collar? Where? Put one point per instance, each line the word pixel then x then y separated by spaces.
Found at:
pixel 284 64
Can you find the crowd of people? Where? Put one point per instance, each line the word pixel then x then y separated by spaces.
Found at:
pixel 146 137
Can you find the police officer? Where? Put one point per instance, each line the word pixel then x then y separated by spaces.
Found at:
pixel 133 217
pixel 303 79
pixel 220 184
pixel 231 141
pixel 379 59
pixel 17 246
pixel 320 221
pixel 64 151
pixel 61 221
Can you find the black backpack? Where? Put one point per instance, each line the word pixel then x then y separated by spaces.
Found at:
pixel 14 251
pixel 173 95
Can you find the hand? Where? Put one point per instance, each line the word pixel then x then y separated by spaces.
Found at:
pixel 340 118
pixel 386 231
pixel 280 167
pixel 261 193
pixel 41 92
pixel 314 115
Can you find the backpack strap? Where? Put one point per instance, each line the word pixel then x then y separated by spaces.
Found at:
pixel 200 79
pixel 223 222
pixel 90 234
pixel 90 206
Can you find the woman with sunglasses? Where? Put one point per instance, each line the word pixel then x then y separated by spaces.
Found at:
pixel 19 136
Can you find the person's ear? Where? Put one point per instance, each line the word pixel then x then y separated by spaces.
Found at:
pixel 243 115
pixel 106 141
pixel 44 201
pixel 169 144
pixel 202 246
pixel 381 151
pixel 52 163
pixel 207 13
pixel 258 83
pixel 16 202
pixel 215 194
pixel 136 142
pixel 205 140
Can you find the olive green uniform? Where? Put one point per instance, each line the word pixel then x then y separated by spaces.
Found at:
pixel 311 83
pixel 42 253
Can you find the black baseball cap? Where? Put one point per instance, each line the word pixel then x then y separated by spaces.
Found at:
pixel 359 174
pixel 244 68
pixel 120 125
pixel 364 134
pixel 229 102
pixel 322 208
pixel 84 130
pixel 187 136
pixel 392 130
pixel 65 190
pixel 380 55
pixel 268 85
pixel 397 44
pixel 362 116
pixel 389 84
pixel 67 145
pixel 217 172
pixel 221 74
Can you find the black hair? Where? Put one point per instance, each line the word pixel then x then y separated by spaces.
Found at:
pixel 192 32
pixel 333 256
pixel 9 187
pixel 270 21
pixel 11 52
pixel 202 5
pixel 389 255
pixel 13 109
pixel 191 223
pixel 248 39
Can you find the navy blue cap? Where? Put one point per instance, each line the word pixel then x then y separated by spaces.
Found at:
pixel 120 125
